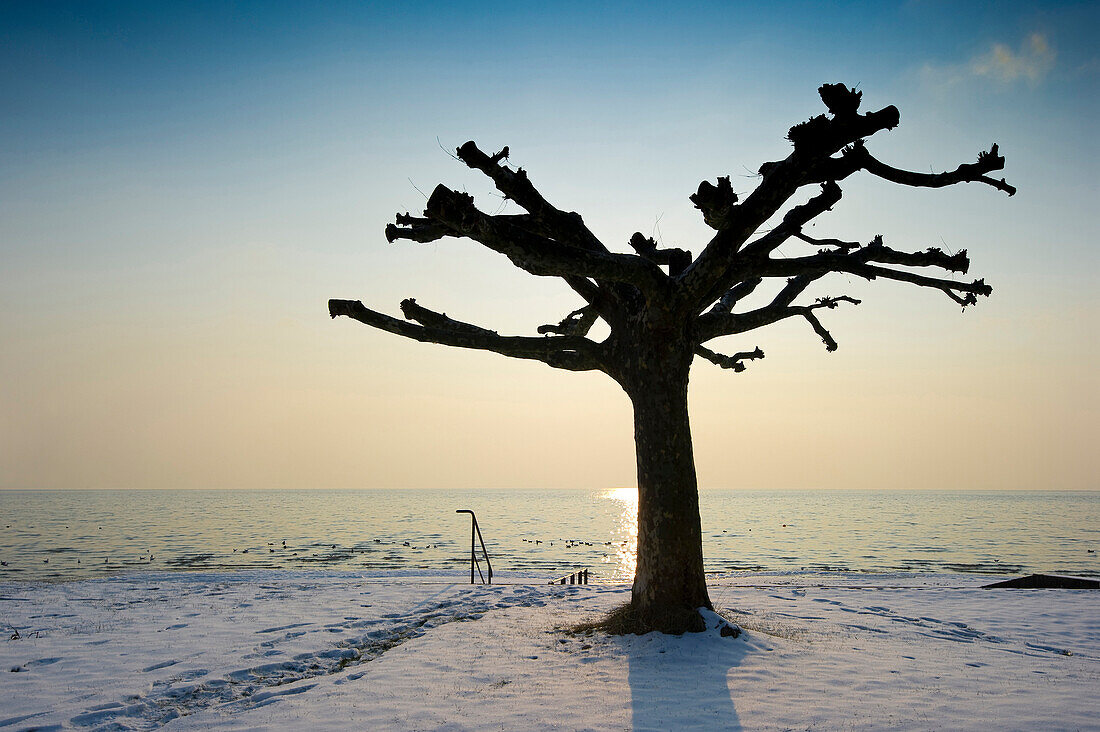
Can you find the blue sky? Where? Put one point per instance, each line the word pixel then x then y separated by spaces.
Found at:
pixel 183 186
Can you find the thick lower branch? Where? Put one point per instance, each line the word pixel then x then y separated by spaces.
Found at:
pixel 431 319
pixel 572 353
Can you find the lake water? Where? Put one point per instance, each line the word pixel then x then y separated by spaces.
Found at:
pixel 61 535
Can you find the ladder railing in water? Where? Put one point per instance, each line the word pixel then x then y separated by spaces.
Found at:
pixel 475 533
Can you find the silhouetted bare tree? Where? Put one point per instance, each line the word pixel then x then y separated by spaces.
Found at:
pixel 662 306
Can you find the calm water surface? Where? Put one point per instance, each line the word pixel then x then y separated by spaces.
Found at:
pixel 59 535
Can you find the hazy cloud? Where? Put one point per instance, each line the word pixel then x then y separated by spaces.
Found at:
pixel 1031 63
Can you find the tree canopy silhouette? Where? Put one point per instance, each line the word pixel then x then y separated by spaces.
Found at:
pixel 662 306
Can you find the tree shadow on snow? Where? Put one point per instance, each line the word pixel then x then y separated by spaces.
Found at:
pixel 680 682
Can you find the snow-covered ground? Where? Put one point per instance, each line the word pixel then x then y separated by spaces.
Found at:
pixel 298 651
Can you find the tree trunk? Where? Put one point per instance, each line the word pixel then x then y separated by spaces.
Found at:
pixel 669 584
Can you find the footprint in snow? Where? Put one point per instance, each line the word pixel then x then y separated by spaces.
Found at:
pixel 41 662
pixel 277 628
pixel 15 720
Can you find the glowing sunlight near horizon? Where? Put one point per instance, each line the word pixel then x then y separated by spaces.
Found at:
pixel 625 537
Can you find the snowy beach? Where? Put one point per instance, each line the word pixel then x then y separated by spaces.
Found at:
pixel 297 650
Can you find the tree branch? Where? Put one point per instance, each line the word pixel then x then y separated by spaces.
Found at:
pixel 826 337
pixel 949 287
pixel 537 254
pixel 876 251
pixel 676 259
pixel 717 202
pixel 416 228
pixel 795 286
pixel 795 219
pixel 965 173
pixel 734 362
pixel 591 292
pixel 424 230
pixel 546 220
pixel 814 141
pixel 572 353
pixel 740 262
pixel 807 312
pixel 858 158
pixel 439 321
pixel 714 325
pixel 567 227
pixel 822 137
pixel 857 264
pixel 576 323
pixel 843 246
pixel 735 294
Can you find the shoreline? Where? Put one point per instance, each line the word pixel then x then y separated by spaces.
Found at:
pixel 840 577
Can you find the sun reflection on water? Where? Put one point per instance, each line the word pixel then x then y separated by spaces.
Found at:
pixel 624 535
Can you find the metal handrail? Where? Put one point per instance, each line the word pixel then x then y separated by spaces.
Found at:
pixel 475 533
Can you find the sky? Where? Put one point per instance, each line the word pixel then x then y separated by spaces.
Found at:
pixel 183 186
